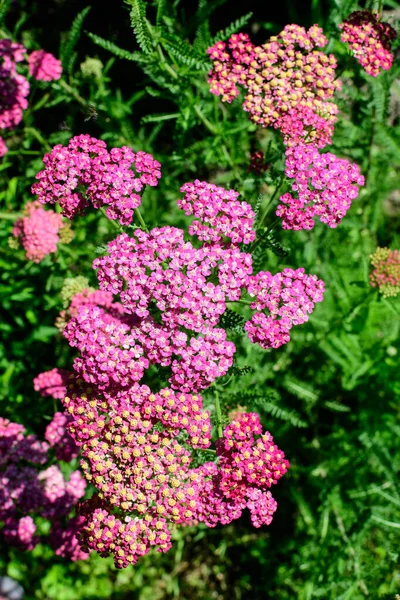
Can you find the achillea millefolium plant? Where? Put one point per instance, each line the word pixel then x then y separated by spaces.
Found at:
pixel 199 301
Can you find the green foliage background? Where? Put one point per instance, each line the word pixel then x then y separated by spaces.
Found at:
pixel 136 75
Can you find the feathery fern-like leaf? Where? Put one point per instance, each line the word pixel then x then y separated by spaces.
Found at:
pixel 184 52
pixel 234 27
pixel 139 25
pixel 68 48
pixel 4 6
pixel 231 321
pixel 114 49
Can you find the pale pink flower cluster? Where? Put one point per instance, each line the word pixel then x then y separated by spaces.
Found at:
pixel 38 231
pixel 289 298
pixel 144 476
pixel 386 272
pixel 370 40
pixel 85 172
pixel 52 383
pixel 324 187
pixel 219 208
pixel 14 87
pixel 43 66
pixel 288 82
pixel 27 490
pixel 59 439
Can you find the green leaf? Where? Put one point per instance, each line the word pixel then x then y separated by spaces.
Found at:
pixel 184 52
pixel 4 6
pixel 234 27
pixel 231 321
pixel 139 25
pixel 114 49
pixel 67 51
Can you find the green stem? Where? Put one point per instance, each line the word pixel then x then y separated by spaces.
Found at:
pixel 102 210
pixel 278 186
pixel 218 413
pixel 165 64
pixel 140 219
pixel 35 133
pixel 240 302
pixel 208 125
pixel 73 93
pixel 380 6
pixel 10 216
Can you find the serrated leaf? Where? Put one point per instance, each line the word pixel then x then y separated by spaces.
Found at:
pixel 114 49
pixel 72 40
pixel 234 27
pixel 139 25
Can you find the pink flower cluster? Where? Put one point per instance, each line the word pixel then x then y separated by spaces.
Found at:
pixel 43 66
pixel 59 439
pixel 288 82
pixel 289 297
pixel 14 87
pixel 38 231
pixel 220 208
pixel 144 476
pixel 52 383
pixel 86 172
pixel 386 272
pixel 25 490
pixel 325 187
pixel 370 39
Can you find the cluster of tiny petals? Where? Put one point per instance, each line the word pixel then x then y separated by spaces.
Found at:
pixel 43 66
pixel 107 178
pixel 14 88
pixel 38 231
pixel 201 362
pixel 110 352
pixel 25 488
pixel 324 186
pixel 221 209
pixel 59 439
pixel 247 467
pixel 370 40
pixel 20 532
pixel 385 274
pixel 289 298
pixel 288 82
pixel 52 383
pixel 64 539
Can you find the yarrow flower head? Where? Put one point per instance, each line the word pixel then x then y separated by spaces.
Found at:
pixel 288 82
pixel 59 439
pixel 219 208
pixel 289 298
pixel 27 489
pixel 386 272
pixel 14 88
pixel 370 39
pixel 38 231
pixel 86 172
pixel 52 383
pixel 43 66
pixel 324 187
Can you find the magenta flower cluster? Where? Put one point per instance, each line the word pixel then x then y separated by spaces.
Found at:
pixel 43 66
pixel 38 231
pixel 370 40
pixel 289 298
pixel 288 82
pixel 324 187
pixel 85 172
pixel 26 488
pixel 14 87
pixel 52 383
pixel 221 210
